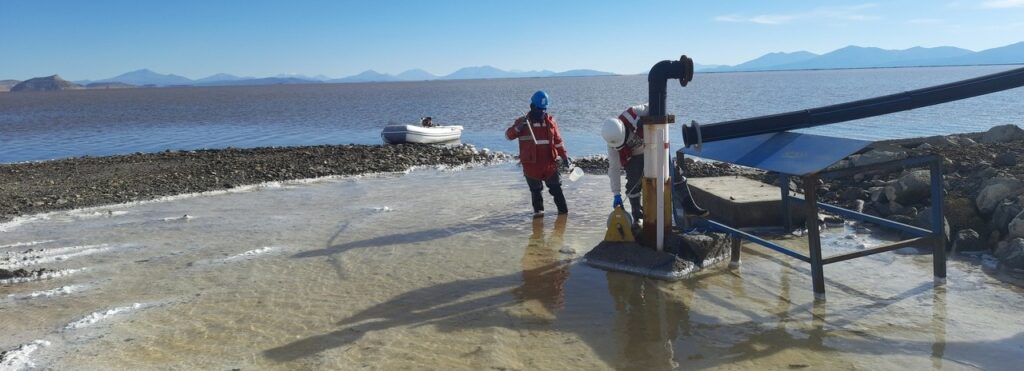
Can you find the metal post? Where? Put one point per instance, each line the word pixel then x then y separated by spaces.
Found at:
pixel 787 219
pixel 737 243
pixel 938 223
pixel 814 236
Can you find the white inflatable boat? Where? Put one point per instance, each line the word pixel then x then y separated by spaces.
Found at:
pixel 402 133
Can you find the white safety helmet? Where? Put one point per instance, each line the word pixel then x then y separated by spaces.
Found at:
pixel 613 132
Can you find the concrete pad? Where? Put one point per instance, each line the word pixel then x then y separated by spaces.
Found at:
pixel 741 202
pixel 684 256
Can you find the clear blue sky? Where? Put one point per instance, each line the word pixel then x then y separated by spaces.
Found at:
pixel 93 39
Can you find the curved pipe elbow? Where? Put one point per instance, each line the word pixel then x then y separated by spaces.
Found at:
pixel 657 81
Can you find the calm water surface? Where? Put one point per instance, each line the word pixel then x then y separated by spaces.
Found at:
pixel 37 126
pixel 339 274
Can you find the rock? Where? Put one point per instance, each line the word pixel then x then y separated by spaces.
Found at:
pixel 854 193
pixel 1016 226
pixel 1002 134
pixel 962 215
pixel 940 141
pixel 902 219
pixel 876 193
pixel 968 240
pixel 1007 210
pixel 1011 254
pixel 876 156
pixel 706 248
pixel 1006 159
pixel 924 220
pixel 5 274
pixel 994 191
pixel 911 188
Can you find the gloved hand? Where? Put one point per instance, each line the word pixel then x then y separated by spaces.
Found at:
pixel 617 200
pixel 567 162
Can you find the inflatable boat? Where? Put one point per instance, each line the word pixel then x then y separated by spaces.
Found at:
pixel 403 133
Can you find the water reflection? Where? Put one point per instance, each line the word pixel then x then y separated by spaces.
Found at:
pixel 544 271
pixel 647 322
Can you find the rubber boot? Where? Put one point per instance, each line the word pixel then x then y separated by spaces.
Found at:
pixel 537 200
pixel 689 206
pixel 636 209
pixel 556 192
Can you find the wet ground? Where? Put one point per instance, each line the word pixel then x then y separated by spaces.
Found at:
pixel 446 270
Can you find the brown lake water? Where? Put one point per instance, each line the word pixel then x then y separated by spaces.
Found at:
pixel 446 270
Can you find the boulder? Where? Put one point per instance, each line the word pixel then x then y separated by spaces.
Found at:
pixel 924 220
pixel 1007 159
pixel 1016 226
pixel 1007 210
pixel 1011 254
pixel 940 141
pixel 1002 134
pixel 910 188
pixel 994 191
pixel 854 193
pixel 876 156
pixel 968 240
pixel 706 248
pixel 961 215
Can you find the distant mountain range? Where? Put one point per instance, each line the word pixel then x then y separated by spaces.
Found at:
pixel 867 57
pixel 145 77
pixel 848 57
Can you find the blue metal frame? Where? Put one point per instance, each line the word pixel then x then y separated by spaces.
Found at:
pixel 936 234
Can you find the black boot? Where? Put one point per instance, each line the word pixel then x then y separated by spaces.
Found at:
pixel 556 192
pixel 689 206
pixel 636 209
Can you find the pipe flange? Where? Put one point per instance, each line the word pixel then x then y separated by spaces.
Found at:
pixel 700 139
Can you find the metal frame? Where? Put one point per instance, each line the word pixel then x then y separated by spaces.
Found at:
pixel 936 235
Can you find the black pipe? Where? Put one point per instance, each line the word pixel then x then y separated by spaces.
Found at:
pixel 853 110
pixel 657 80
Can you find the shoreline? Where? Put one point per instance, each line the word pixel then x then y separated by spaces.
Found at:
pixel 983 176
pixel 32 188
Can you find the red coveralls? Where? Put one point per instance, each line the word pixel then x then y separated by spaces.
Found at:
pixel 538 158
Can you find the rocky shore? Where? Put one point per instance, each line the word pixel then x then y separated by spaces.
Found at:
pixel 30 188
pixel 983 183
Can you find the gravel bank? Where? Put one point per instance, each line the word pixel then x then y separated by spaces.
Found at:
pixel 30 188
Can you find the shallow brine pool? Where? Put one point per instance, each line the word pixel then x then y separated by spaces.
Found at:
pixel 447 270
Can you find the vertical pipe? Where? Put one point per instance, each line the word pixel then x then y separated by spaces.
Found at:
pixel 814 236
pixel 661 145
pixel 938 223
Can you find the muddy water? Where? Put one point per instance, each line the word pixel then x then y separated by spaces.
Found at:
pixel 445 270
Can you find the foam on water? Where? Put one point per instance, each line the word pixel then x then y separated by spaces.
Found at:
pixel 95 317
pixel 42 256
pixel 25 244
pixel 45 276
pixel 20 357
pixel 60 291
pixel 251 253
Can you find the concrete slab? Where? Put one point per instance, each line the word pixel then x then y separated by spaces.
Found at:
pixel 684 256
pixel 741 202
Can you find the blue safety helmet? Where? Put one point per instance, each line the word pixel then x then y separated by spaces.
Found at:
pixel 539 99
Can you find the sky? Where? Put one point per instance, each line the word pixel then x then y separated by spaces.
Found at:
pixel 95 39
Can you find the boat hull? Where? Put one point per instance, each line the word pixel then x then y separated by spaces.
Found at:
pixel 399 134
